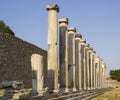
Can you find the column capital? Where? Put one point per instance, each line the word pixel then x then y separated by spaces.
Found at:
pixel 90 49
pixel 78 36
pixel 72 29
pixel 94 52
pixel 83 41
pixel 63 20
pixel 52 7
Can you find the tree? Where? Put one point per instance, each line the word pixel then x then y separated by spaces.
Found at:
pixel 115 74
pixel 4 28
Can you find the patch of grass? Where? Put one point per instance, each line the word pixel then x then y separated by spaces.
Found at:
pixel 110 95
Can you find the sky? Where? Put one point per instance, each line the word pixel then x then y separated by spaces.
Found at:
pixel 98 21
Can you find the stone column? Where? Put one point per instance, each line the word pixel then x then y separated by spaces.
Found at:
pixel 88 68
pixel 105 81
pixel 78 37
pixel 71 57
pixel 63 53
pixel 37 73
pixel 100 73
pixel 52 47
pixel 83 61
pixel 94 69
pixel 91 68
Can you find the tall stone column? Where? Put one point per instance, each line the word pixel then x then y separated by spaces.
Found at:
pixel 91 68
pixel 105 81
pixel 71 57
pixel 100 73
pixel 94 80
pixel 84 46
pixel 88 68
pixel 63 53
pixel 52 9
pixel 78 37
pixel 37 73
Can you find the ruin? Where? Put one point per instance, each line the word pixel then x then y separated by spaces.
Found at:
pixel 75 67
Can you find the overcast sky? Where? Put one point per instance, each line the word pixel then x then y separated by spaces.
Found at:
pixel 97 20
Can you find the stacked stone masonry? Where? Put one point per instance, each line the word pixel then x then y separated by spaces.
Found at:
pixel 15 59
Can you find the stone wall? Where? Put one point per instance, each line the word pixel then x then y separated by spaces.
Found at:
pixel 15 59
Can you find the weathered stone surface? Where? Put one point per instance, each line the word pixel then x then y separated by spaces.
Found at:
pixel 37 69
pixel 15 63
pixel 63 56
pixel 71 57
pixel 12 84
pixel 78 61
pixel 52 47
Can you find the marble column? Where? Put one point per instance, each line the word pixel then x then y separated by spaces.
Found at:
pixel 71 57
pixel 94 80
pixel 52 9
pixel 78 37
pixel 37 73
pixel 91 68
pixel 88 67
pixel 97 74
pixel 83 62
pixel 63 45
pixel 105 81
pixel 100 73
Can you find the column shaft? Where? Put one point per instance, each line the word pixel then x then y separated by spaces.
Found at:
pixel 78 60
pixel 63 53
pixel 37 73
pixel 71 57
pixel 52 47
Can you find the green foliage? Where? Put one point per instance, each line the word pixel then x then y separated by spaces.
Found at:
pixel 4 28
pixel 115 74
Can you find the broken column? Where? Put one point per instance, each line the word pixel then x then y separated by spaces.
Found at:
pixel 52 9
pixel 63 53
pixel 37 73
pixel 71 57
pixel 78 37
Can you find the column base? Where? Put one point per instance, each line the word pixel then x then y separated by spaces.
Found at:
pixel 64 90
pixel 74 89
pixel 91 88
pixel 84 88
pixel 80 89
pixel 88 88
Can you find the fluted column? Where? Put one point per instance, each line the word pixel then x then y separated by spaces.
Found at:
pixel 71 57
pixel 52 9
pixel 78 37
pixel 63 45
